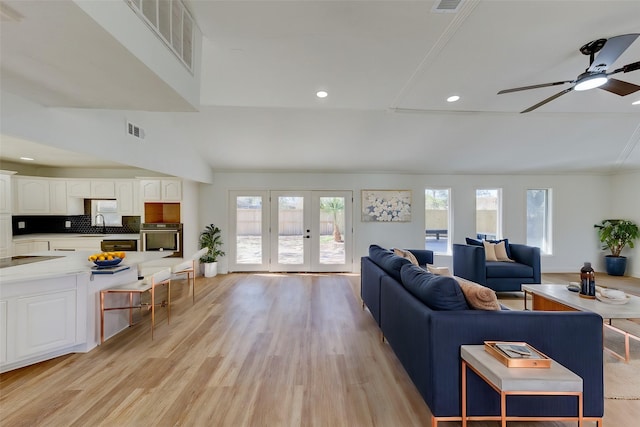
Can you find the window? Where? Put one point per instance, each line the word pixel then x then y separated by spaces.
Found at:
pixel 489 213
pixel 172 22
pixel 249 230
pixel 437 215
pixel 105 212
pixel 539 219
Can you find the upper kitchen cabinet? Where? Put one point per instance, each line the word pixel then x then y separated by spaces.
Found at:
pixel 31 195
pixel 79 188
pixel 5 192
pixel 161 190
pixel 91 189
pixel 103 189
pixel 128 197
pixel 42 196
pixel 58 197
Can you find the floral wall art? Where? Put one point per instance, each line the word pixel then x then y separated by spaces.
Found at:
pixel 386 205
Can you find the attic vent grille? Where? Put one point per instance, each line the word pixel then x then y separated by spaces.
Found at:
pixel 447 6
pixel 135 131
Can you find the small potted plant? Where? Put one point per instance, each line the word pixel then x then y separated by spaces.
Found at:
pixel 615 235
pixel 211 238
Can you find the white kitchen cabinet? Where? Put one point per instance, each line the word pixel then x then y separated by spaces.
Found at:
pixel 128 197
pixel 171 190
pixel 76 244
pixel 5 236
pixel 103 189
pixel 3 331
pixel 45 322
pixel 31 196
pixel 58 197
pixel 79 188
pixel 5 192
pixel 161 190
pixel 27 246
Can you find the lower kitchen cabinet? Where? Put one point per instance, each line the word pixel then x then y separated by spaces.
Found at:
pixel 76 244
pixel 45 322
pixel 41 319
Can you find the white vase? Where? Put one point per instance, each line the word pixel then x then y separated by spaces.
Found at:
pixel 210 269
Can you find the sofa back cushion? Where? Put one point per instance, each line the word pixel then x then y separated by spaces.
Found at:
pixel 387 260
pixel 437 292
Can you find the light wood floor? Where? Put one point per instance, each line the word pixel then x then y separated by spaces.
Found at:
pixel 254 350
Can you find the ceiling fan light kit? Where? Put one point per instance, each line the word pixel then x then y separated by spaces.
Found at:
pixel 596 75
pixel 588 81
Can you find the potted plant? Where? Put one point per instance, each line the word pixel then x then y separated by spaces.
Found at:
pixel 211 238
pixel 615 234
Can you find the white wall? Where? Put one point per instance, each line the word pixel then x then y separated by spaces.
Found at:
pixel 625 204
pixel 579 201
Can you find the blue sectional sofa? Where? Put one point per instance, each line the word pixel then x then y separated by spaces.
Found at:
pixel 427 342
pixel 470 263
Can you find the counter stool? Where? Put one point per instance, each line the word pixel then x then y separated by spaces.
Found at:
pixel 188 267
pixel 149 283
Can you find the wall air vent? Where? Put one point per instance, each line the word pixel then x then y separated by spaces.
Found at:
pixel 447 6
pixel 135 130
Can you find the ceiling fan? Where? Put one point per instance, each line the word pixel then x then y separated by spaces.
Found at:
pixel 596 75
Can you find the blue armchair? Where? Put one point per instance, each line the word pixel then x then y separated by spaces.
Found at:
pixel 469 262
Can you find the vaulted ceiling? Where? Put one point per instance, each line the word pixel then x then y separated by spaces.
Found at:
pixel 388 67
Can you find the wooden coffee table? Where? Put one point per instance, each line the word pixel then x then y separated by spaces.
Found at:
pixel 559 298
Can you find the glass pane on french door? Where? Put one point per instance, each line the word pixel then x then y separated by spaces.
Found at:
pixel 249 229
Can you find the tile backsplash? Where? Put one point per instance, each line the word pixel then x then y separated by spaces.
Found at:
pixel 30 224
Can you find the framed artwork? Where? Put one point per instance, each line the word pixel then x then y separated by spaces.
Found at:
pixel 386 205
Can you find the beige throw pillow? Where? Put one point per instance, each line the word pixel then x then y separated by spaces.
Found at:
pixel 495 251
pixel 489 251
pixel 440 271
pixel 501 252
pixel 478 296
pixel 406 254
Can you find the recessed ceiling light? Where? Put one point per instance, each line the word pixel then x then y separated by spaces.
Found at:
pixel 322 94
pixel 453 98
pixel 26 158
pixel 636 102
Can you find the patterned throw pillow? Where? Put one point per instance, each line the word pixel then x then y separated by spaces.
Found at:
pixel 478 296
pixel 406 254
pixel 439 271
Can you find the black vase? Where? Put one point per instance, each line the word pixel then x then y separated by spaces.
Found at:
pixel 616 265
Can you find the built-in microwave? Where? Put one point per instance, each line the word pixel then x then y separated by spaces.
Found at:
pixel 162 237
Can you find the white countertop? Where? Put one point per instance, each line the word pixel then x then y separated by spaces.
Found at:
pixel 47 236
pixel 75 262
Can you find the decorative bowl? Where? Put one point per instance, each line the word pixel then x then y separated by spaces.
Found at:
pixel 108 263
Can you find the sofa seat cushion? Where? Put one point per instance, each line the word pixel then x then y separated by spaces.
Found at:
pixel 478 296
pixel 437 292
pixel 501 269
pixel 387 260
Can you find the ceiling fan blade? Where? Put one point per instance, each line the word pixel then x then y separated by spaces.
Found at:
pixel 627 68
pixel 619 87
pixel 613 48
pixel 517 89
pixel 549 99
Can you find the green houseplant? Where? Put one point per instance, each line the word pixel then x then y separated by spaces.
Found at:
pixel 615 235
pixel 211 238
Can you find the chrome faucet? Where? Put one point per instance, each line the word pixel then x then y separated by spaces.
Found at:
pixel 104 224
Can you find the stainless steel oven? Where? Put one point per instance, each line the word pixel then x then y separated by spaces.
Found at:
pixel 162 237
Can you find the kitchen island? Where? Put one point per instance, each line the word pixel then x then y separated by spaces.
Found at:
pixel 51 307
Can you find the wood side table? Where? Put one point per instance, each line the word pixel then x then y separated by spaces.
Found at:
pixel 554 381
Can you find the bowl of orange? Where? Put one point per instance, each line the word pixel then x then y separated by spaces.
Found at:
pixel 107 259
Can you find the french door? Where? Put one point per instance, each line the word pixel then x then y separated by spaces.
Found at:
pixel 301 231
